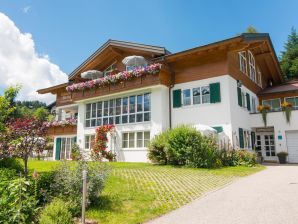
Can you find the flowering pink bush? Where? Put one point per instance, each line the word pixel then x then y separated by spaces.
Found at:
pixel 67 122
pixel 113 79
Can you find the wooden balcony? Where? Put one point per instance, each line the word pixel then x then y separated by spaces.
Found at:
pixel 162 78
pixel 62 130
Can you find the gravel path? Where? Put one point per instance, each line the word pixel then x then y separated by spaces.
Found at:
pixel 270 196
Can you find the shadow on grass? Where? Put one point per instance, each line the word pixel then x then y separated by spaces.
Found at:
pixel 106 203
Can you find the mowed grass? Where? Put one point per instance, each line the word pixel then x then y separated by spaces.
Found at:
pixel 137 192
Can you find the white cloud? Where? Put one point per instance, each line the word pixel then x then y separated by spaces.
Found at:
pixel 21 64
pixel 26 9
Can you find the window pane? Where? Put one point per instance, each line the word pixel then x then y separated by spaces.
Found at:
pixel 93 122
pixel 147 102
pixel 132 118
pixel 111 107
pixel 93 113
pixel 139 139
pixel 106 108
pixel 87 123
pixel 111 120
pixel 99 122
pixel 196 94
pixel 117 120
pixel 88 110
pixel 291 100
pixel 118 106
pixel 132 104
pixel 131 140
pixel 86 142
pixel 125 140
pixel 186 97
pixel 139 117
pixel 146 116
pixel 205 94
pixel 276 104
pixel 139 103
pixel 124 119
pixel 99 109
pixel 105 121
pixel 124 105
pixel 146 138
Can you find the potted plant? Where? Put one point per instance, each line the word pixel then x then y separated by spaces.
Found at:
pixel 264 109
pixel 282 157
pixel 287 110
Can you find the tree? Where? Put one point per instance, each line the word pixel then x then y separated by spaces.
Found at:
pixel 251 29
pixel 28 135
pixel 289 57
pixel 7 105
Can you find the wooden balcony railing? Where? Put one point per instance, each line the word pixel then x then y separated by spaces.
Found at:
pixel 62 130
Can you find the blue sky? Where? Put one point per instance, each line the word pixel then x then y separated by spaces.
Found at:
pixel 69 31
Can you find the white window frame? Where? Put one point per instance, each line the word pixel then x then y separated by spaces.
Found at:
pixel 247 139
pixel 252 66
pixel 191 96
pixel 68 142
pixel 242 62
pixel 253 104
pixel 88 139
pixel 135 140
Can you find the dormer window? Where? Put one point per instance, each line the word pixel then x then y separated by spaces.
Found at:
pixel 243 62
pixel 252 66
pixel 110 69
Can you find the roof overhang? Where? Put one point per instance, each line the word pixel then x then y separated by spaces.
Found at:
pixel 52 89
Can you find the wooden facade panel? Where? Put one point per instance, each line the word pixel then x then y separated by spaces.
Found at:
pixel 200 71
pixel 278 95
pixel 60 130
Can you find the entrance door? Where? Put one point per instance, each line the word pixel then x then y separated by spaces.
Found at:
pixel 265 145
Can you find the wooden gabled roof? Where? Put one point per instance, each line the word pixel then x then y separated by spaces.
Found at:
pixel 113 48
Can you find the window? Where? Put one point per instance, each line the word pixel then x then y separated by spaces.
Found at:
pixel 205 94
pixel 196 95
pixel 138 139
pixel 124 110
pixel 244 103
pixel 252 66
pixel 89 141
pixel 259 77
pixel 247 139
pixel 186 97
pixel 66 144
pixel 273 103
pixel 243 62
pixel 253 105
pixel 293 101
pixel 110 69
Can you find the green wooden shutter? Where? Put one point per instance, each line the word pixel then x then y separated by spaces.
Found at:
pixel 239 96
pixel 58 148
pixel 248 101
pixel 177 98
pixel 253 139
pixel 241 140
pixel 219 129
pixel 214 92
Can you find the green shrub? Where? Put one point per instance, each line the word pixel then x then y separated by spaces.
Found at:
pixel 157 149
pixel 7 174
pixel 238 158
pixel 68 182
pixel 44 184
pixel 11 163
pixel 16 203
pixel 184 145
pixel 57 212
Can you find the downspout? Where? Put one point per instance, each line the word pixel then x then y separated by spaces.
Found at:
pixel 172 83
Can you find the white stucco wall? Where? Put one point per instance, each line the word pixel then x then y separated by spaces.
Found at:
pixel 159 122
pixel 211 114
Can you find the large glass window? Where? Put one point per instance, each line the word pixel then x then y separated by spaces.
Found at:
pixel 243 62
pixel 119 111
pixel 205 94
pixel 196 95
pixel 252 66
pixel 273 103
pixel 139 139
pixel 66 144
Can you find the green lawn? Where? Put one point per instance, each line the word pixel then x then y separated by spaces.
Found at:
pixel 136 192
